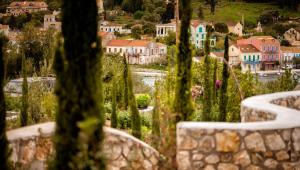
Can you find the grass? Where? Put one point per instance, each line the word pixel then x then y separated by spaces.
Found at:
pixel 233 11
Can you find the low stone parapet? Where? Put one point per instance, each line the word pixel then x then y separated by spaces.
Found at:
pixel 268 138
pixel 32 146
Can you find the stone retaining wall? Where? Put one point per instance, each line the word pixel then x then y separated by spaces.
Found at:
pixel 32 146
pixel 268 138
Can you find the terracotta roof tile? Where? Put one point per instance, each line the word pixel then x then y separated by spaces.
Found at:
pixel 248 48
pixel 290 49
pixel 28 4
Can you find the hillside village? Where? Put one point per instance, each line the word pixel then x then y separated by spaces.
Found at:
pixel 264 53
pixel 150 84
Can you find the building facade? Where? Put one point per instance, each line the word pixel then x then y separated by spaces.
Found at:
pixel 162 30
pixel 106 26
pixel 293 36
pixel 18 8
pixel 137 51
pixel 288 54
pixel 106 37
pixel 51 23
pixel 269 48
pixel 235 28
pixel 198 34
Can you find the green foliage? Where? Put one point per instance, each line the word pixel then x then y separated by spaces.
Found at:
pixel 221 27
pixel 125 80
pixel 136 32
pixel 207 87
pixel 114 118
pixel 12 103
pixel 143 100
pixel 138 14
pixel 171 38
pixel 124 119
pixel 24 109
pixel 4 150
pixel 135 115
pixel 78 68
pixel 149 28
pixel 156 118
pixel 183 106
pixel 200 13
pixel 223 93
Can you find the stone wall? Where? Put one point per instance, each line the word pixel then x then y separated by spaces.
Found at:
pixel 268 138
pixel 32 146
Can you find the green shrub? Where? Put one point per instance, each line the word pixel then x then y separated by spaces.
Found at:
pixel 124 120
pixel 138 14
pixel 143 100
pixel 12 103
pixel 107 107
pixel 146 119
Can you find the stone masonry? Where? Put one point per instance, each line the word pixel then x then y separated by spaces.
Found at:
pixel 32 147
pixel 268 138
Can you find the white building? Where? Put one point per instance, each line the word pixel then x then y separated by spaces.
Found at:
pixel 106 26
pixel 138 51
pixel 293 36
pixel 198 34
pixel 18 8
pixel 248 56
pixel 288 54
pixel 50 22
pixel 235 28
pixel 162 30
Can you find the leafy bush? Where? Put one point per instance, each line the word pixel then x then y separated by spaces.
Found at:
pixel 143 100
pixel 124 120
pixel 221 27
pixel 107 107
pixel 12 103
pixel 138 14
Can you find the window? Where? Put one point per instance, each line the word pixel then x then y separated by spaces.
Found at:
pixel 115 50
pixel 245 58
pixel 258 57
pixel 253 57
pixel 120 50
pixel 202 36
pixel 249 58
pixel 141 51
pixel 200 29
pixel 109 50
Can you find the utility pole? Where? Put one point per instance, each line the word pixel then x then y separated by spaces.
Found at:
pixel 177 20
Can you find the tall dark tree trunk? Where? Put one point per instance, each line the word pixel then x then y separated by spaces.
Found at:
pixel 156 118
pixel 4 150
pixel 183 106
pixel 79 91
pixel 223 93
pixel 207 95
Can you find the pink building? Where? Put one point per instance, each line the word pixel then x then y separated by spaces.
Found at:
pixel 269 48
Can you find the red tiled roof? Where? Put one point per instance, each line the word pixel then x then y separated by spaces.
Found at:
pixel 133 43
pixel 248 48
pixel 28 4
pixel 4 26
pixel 218 54
pixel 290 49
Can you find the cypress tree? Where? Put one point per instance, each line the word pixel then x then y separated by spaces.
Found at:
pixel 183 105
pixel 24 109
pixel 156 118
pixel 212 6
pixel 114 117
pixel 135 115
pixel 207 98
pixel 214 80
pixel 200 12
pixel 78 89
pixel 125 75
pixel 223 93
pixel 4 150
